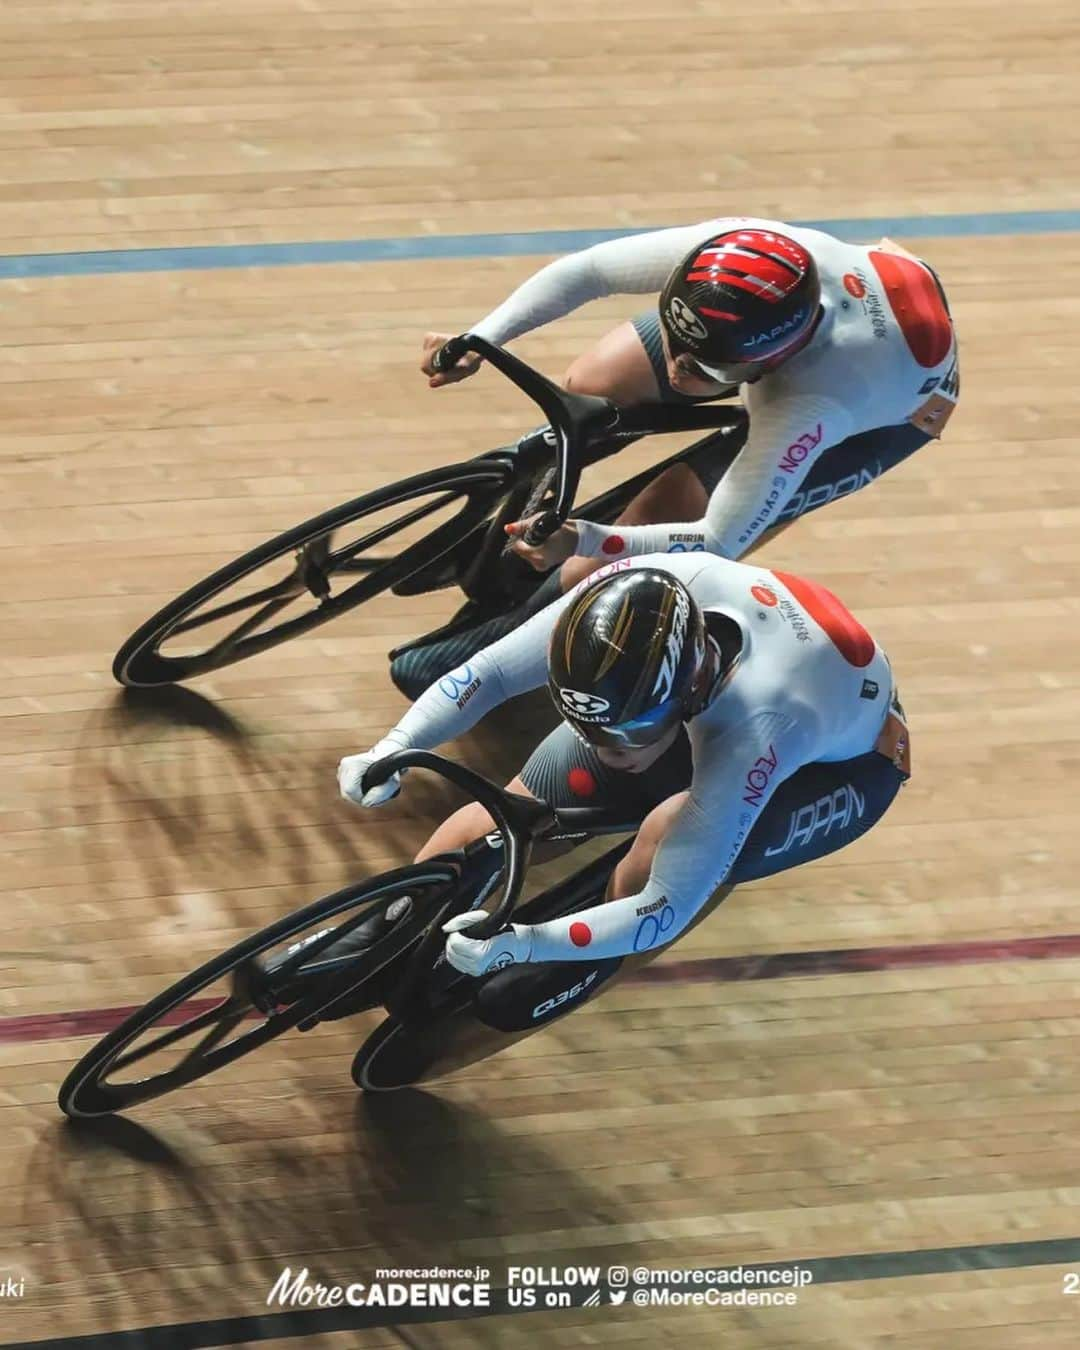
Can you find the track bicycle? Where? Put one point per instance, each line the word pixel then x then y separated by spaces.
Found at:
pixel 435 530
pixel 438 1020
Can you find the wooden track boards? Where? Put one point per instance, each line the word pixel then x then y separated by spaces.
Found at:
pixel 155 424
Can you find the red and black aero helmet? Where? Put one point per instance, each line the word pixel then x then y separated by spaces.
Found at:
pixel 742 297
pixel 625 656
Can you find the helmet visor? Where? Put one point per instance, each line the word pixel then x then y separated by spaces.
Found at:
pixel 734 370
pixel 637 734
pixel 731 372
pixel 735 373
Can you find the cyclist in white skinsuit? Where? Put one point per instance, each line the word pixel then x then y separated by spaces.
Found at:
pixel 843 354
pixel 796 742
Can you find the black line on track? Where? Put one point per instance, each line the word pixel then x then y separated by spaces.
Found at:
pixel 199 1335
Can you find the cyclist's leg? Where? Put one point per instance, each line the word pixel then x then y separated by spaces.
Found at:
pixel 466 824
pixel 650 335
pixel 632 873
pixel 619 367
pixel 821 808
pixel 562 771
pixel 845 468
pixel 462 827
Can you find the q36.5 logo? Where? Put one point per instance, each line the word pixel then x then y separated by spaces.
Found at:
pixel 582 705
pixel 550 1004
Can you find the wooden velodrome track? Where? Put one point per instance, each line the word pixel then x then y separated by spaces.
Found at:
pixel 905 1117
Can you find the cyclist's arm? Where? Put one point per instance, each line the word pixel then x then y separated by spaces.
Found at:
pixel 735 775
pixel 635 265
pixel 453 705
pixel 783 442
pixel 514 665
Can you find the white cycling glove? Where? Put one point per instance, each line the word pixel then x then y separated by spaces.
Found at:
pixel 478 956
pixel 351 770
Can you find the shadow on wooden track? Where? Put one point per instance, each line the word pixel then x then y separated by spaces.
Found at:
pixel 439 1161
pixel 174 705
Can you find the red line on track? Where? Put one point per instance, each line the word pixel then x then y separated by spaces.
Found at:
pixel 855 960
pixel 721 969
pixel 91 1021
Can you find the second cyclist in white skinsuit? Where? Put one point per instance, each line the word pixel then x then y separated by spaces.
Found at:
pixel 785 760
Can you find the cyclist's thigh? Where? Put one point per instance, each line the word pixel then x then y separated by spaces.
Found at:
pixel 851 465
pixel 819 809
pixel 564 771
pixel 464 825
pixel 616 368
pixel 712 458
pixel 650 334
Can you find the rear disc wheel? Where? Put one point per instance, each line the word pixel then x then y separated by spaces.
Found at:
pixel 390 1059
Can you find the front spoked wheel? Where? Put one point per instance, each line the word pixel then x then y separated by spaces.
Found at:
pixel 223 1010
pixel 309 575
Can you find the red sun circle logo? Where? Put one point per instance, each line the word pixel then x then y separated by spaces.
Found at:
pixel 580 934
pixel 854 286
pixel 581 782
pixel 764 596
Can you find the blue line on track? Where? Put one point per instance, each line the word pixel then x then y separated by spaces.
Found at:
pixel 217 256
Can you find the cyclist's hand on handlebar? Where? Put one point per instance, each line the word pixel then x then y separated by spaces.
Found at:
pixel 350 776
pixel 468 364
pixel 473 956
pixel 556 548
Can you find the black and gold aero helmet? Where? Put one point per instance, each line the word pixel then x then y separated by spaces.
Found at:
pixel 624 658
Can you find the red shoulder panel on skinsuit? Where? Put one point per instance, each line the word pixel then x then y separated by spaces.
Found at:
pixel 917 306
pixel 845 632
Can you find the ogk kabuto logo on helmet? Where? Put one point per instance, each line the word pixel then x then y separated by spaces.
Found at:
pixel 686 321
pixel 585 707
